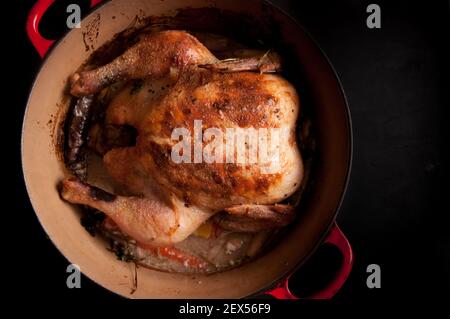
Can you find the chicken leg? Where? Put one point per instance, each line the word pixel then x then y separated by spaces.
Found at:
pixel 146 219
pixel 154 56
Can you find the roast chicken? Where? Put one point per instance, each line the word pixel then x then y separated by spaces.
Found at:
pixel 171 199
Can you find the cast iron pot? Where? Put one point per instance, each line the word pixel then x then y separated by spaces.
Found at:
pixel 269 273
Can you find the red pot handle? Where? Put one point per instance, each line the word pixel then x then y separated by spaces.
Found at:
pixel 337 238
pixel 34 18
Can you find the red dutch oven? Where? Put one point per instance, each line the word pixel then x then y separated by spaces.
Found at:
pixel 269 273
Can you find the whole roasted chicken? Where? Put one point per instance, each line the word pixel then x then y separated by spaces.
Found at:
pixel 194 91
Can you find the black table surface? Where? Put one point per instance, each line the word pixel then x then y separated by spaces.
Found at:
pixel 394 213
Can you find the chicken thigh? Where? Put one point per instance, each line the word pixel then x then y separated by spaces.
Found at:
pixel 196 92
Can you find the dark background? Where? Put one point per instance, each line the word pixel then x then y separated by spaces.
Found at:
pixel 395 212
